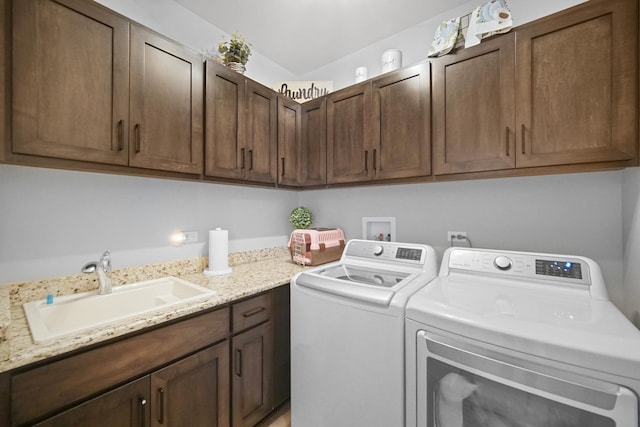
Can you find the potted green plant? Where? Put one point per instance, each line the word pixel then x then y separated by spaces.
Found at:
pixel 300 218
pixel 235 53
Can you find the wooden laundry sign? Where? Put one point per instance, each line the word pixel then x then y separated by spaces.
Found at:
pixel 302 91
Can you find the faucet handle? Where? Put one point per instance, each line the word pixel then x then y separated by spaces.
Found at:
pixel 89 267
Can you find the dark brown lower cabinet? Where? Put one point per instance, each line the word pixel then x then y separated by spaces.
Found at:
pixel 125 406
pixel 281 345
pixel 193 391
pixel 252 375
pixel 213 369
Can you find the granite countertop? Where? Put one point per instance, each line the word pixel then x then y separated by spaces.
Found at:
pixel 253 272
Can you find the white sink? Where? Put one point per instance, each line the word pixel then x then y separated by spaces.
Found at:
pixel 75 313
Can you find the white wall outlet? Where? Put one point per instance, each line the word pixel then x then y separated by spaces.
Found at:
pixel 456 236
pixel 190 236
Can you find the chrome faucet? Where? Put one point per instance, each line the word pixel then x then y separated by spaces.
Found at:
pixel 103 269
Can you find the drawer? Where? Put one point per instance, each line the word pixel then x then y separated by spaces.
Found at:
pixel 46 388
pixel 251 312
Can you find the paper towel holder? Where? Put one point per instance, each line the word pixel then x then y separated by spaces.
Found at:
pixel 223 269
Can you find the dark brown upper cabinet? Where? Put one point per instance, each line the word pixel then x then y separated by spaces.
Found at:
pixel 289 142
pixel 70 81
pixel 166 104
pixel 349 134
pixel 89 86
pixel 313 150
pixel 473 108
pixel 380 130
pixel 401 126
pixel 557 92
pixel 240 127
pixel 576 85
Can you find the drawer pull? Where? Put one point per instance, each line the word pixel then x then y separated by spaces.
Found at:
pixel 120 135
pixel 507 144
pixel 239 362
pixel 161 406
pixel 138 142
pixel 253 312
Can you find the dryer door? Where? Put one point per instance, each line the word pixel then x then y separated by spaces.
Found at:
pixel 459 386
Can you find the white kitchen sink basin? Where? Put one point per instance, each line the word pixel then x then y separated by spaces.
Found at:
pixel 75 313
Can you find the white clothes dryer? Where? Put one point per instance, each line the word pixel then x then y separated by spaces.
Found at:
pixel 517 339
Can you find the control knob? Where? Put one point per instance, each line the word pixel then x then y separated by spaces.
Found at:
pixel 377 250
pixel 502 263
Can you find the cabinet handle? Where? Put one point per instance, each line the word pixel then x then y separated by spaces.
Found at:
pixel 374 159
pixel 120 135
pixel 522 129
pixel 238 362
pixel 143 412
pixel 253 312
pixel 507 139
pixel 161 406
pixel 242 158
pixel 282 161
pixel 136 131
pixel 250 160
pixel 366 160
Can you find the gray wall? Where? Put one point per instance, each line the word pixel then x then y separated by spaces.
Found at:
pixel 568 214
pixel 631 243
pixel 54 221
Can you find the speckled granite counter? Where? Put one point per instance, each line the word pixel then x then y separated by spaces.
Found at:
pixel 253 272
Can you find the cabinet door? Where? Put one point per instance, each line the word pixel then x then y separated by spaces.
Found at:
pixel 289 141
pixel 281 345
pixel 225 112
pixel 401 124
pixel 252 384
pixel 261 133
pixel 70 81
pixel 349 134
pixel 166 104
pixel 125 406
pixel 193 391
pixel 313 163
pixel 473 108
pixel 577 85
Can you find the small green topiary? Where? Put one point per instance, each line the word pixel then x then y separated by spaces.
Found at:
pixel 300 217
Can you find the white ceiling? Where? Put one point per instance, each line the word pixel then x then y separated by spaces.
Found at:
pixel 304 35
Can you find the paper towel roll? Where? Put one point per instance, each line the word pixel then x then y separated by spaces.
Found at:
pixel 218 253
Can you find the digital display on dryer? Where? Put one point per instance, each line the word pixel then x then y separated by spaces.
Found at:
pixel 568 269
pixel 409 253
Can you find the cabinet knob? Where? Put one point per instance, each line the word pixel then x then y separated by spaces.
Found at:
pixel 143 412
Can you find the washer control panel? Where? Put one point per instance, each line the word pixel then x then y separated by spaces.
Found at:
pixel 534 266
pixel 387 251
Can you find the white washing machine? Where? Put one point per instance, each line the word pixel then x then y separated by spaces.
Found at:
pixel 519 339
pixel 347 334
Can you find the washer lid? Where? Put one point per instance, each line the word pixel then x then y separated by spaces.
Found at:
pixel 562 325
pixel 367 276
